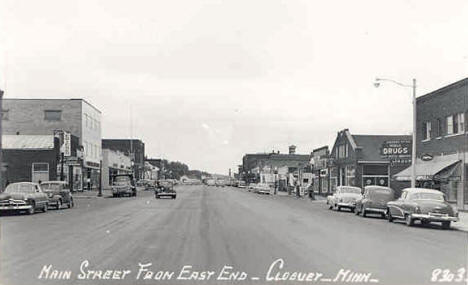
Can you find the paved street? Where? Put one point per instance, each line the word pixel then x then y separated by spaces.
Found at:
pixel 209 227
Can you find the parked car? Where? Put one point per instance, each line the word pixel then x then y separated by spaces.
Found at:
pixel 58 193
pixel 242 184
pixel 123 184
pixel 24 196
pixel 262 188
pixel 344 197
pixel 424 205
pixel 374 200
pixel 165 189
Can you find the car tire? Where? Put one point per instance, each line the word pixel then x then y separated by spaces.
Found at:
pixel 45 208
pixel 338 208
pixel 389 216
pixel 59 204
pixel 409 221
pixel 330 207
pixel 446 225
pixel 32 210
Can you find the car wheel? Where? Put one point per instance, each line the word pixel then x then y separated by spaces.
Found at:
pixel 446 225
pixel 45 208
pixel 338 208
pixel 59 204
pixel 389 216
pixel 424 223
pixel 409 220
pixel 330 207
pixel 32 210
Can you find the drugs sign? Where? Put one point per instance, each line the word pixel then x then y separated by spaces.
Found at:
pixel 397 151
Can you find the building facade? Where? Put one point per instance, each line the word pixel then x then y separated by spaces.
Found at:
pixel 134 148
pixel 321 170
pixel 113 163
pixel 52 116
pixel 361 160
pixel 442 142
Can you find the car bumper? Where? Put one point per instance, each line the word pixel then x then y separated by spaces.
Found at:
pixel 13 208
pixel 347 205
pixel 120 191
pixel 431 218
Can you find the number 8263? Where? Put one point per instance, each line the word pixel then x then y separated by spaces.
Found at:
pixel 446 275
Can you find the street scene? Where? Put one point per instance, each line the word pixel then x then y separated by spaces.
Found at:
pixel 209 228
pixel 233 142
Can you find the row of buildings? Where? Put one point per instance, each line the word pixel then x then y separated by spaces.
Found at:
pixel 61 139
pixel 360 160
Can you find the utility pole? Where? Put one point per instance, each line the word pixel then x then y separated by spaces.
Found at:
pixel 1 149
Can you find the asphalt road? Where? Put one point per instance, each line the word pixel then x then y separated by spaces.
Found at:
pixel 208 228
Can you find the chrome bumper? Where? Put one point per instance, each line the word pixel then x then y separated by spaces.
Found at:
pixel 22 207
pixel 435 218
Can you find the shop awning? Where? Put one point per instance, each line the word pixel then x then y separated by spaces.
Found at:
pixel 427 170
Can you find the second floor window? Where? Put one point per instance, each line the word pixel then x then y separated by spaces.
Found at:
pixel 427 130
pixel 440 130
pixel 459 126
pixel 53 115
pixel 450 125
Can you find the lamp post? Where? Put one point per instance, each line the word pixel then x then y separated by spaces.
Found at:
pixel 413 154
pixel 1 151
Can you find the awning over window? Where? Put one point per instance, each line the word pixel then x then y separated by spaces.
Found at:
pixel 438 167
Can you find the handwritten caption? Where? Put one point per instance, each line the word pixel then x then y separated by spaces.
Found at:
pixel 145 271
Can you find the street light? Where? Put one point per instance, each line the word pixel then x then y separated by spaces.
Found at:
pixel 413 154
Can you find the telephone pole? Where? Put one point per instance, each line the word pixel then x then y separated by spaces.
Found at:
pixel 1 149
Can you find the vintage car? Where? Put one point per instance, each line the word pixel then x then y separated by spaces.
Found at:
pixel 424 205
pixel 262 188
pixel 24 196
pixel 165 189
pixel 374 200
pixel 344 197
pixel 58 193
pixel 123 185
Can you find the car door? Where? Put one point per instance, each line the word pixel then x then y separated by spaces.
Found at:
pixel 65 193
pixel 40 197
pixel 362 202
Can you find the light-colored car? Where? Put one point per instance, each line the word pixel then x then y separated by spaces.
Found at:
pixel 262 188
pixel 344 197
pixel 24 196
pixel 424 205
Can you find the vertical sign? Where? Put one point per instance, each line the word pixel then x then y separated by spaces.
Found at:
pixel 66 144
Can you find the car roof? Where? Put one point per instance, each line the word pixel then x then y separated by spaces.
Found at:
pixel 344 186
pixel 25 182
pixel 421 190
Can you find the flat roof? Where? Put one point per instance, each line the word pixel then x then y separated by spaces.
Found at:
pixel 56 99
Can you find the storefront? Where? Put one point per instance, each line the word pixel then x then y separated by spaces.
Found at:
pixel 362 160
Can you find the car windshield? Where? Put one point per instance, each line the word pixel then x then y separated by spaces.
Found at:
pixel 427 196
pixel 19 188
pixel 350 190
pixel 51 186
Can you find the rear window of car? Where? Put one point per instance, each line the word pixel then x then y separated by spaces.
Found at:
pixel 121 179
pixel 20 188
pixel 51 186
pixel 427 196
pixel 379 191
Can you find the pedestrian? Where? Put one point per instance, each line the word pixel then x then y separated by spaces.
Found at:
pixel 298 188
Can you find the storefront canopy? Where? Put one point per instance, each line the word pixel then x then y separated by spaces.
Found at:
pixel 427 170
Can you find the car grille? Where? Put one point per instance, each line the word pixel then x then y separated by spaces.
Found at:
pixel 438 214
pixel 12 202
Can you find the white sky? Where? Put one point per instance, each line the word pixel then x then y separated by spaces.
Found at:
pixel 207 81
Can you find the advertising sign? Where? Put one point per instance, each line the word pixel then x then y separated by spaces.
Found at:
pixel 66 144
pixel 396 151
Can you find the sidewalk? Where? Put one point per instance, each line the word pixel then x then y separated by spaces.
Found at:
pixel 91 194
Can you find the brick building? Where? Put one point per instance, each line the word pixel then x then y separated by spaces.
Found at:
pixel 47 116
pixel 442 142
pixel 30 158
pixel 134 148
pixel 361 160
pixel 321 169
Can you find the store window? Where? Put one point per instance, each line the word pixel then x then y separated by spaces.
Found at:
pixel 52 115
pixel 375 174
pixel 459 126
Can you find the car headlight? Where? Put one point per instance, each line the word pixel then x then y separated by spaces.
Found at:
pixel 455 211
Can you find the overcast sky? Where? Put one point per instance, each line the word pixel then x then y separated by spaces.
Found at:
pixel 208 81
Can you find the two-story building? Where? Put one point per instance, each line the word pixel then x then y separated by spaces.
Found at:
pixel 134 148
pixel 361 160
pixel 57 116
pixel 320 161
pixel 442 142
